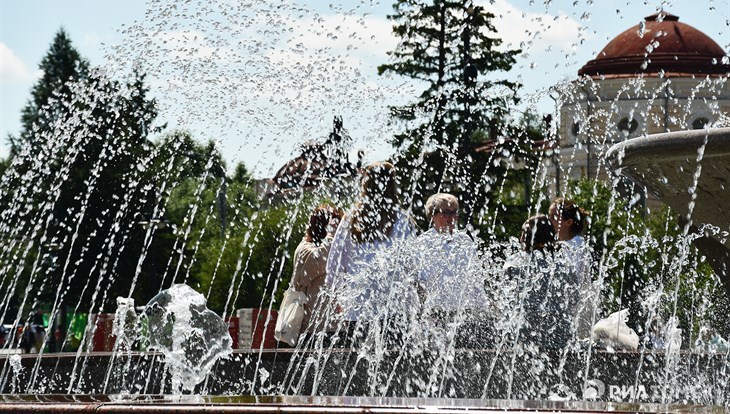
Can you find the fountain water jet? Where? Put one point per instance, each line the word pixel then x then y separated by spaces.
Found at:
pixel 376 369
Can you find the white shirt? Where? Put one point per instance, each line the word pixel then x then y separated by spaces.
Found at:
pixel 577 254
pixel 450 272
pixel 365 276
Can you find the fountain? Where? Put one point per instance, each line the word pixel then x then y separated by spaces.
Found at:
pixel 686 171
pixel 172 229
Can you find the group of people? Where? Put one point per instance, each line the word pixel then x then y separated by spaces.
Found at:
pixel 344 261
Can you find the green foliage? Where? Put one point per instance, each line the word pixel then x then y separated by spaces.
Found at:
pixel 190 184
pixel 253 264
pixel 74 178
pixel 508 183
pixel 258 261
pixel 449 45
pixel 647 261
pixel 228 247
pixel 101 158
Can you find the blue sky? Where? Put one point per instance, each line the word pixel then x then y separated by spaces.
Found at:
pixel 260 81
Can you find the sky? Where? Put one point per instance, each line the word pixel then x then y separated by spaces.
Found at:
pixel 260 78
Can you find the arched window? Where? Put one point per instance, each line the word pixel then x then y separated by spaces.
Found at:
pixel 626 126
pixel 575 129
pixel 700 123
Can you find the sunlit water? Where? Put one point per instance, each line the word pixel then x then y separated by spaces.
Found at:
pixel 272 75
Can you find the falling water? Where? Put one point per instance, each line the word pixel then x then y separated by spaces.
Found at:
pixel 270 76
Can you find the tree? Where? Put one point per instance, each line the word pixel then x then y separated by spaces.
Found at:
pixel 192 175
pixel 104 143
pixel 249 263
pixel 511 184
pixel 254 263
pixel 448 45
pixel 76 184
pixel 62 65
pixel 648 265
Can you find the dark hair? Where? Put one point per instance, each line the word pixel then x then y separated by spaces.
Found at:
pixel 318 221
pixel 537 234
pixel 374 216
pixel 569 210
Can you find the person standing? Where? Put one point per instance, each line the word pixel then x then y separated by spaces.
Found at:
pixel 372 227
pixel 569 222
pixel 310 267
pixel 450 284
pixel 549 290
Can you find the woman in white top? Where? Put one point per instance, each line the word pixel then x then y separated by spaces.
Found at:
pixel 363 240
pixel 569 221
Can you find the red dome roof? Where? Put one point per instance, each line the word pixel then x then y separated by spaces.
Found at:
pixel 661 43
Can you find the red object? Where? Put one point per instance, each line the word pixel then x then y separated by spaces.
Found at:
pixel 233 331
pixel 259 317
pixel 103 339
pixel 680 48
pixel 254 328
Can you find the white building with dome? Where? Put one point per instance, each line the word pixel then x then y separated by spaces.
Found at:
pixel 661 75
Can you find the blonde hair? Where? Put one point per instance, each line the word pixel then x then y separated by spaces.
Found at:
pixel 438 202
pixel 374 216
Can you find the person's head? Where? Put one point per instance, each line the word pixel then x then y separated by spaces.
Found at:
pixel 567 218
pixel 378 183
pixel 375 214
pixel 537 234
pixel 321 222
pixel 442 210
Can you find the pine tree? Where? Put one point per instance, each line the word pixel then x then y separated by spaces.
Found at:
pixel 78 181
pixel 450 46
pixel 60 66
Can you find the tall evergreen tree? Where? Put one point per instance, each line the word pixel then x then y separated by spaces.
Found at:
pixel 61 65
pixel 450 45
pixel 76 186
